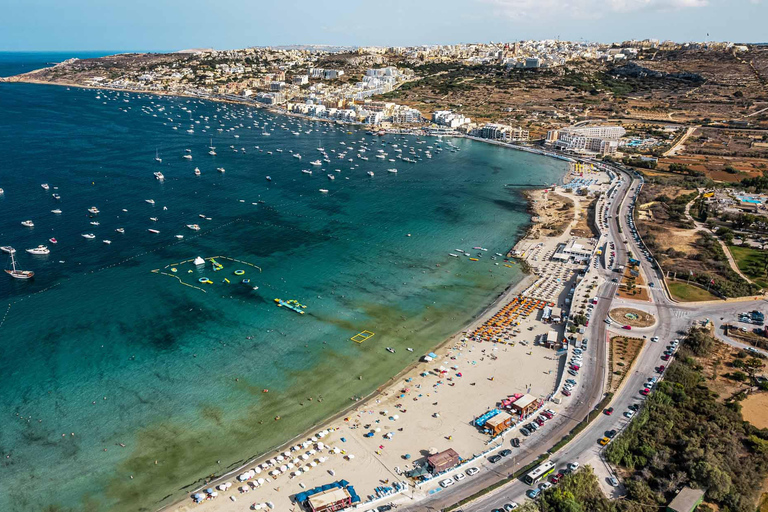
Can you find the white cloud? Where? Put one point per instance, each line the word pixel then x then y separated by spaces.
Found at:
pixel 586 8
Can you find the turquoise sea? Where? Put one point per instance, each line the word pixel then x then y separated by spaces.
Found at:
pixel 99 346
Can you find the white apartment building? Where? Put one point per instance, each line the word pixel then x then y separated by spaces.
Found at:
pixel 502 132
pixel 449 118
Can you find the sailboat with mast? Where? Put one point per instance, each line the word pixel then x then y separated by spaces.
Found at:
pixel 18 274
pixel 157 157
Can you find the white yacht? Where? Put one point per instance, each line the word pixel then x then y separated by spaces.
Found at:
pixel 393 171
pixel 45 186
pixel 187 156
pixel 159 176
pixel 306 171
pixel 221 170
pixel 107 241
pixel 56 211
pixel 370 173
pixel 94 223
pixel 315 162
pixel 197 171
pixel 193 227
pixel 93 210
pixel 323 191
pixel 8 249
pixel 89 236
pixel 28 223
pixel 120 230
pixel 150 201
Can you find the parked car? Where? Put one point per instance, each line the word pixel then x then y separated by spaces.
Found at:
pixel 661 369
pixel 445 483
pixel 655 339
pixel 472 471
pixel 505 452
pixel 516 442
pixel 645 392
pixel 629 414
pixel 610 434
pixel 604 441
pixel 566 392
pixel 627 327
pixel 459 477
pixel 608 411
pixel 573 466
pixel 525 431
pixel 634 407
pixel 613 481
pixel 512 505
pixel 573 372
pixel 544 486
pixel 533 493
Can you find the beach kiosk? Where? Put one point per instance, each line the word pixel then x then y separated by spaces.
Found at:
pixel 337 498
pixel 551 339
pixel 443 461
pixel 499 423
pixel 525 405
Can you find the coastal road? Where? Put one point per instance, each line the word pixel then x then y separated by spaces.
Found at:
pixel 672 320
pixel 587 395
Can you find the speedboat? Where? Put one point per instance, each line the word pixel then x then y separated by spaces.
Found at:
pixel 153 219
pixel 153 231
pixel 179 236
pixel 221 170
pixel 390 350
pixel 89 236
pixel 193 227
pixel 269 178
pixel 331 177
pixel 107 241
pixel 150 201
pixel 306 171
pixel 94 223
pixel 197 171
pixel 159 176
pixel 393 171
pixel 56 196
pixel 323 191
pixel 28 223
pixel 8 249
pixel 56 211
pixel 370 173
pixel 315 162
pixel 53 240
pixel 188 157
pixel 93 210
pixel 120 230
pixel 40 249
pixel 45 186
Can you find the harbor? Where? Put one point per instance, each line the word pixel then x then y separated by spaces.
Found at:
pixel 345 254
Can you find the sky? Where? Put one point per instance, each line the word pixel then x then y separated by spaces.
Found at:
pixel 168 25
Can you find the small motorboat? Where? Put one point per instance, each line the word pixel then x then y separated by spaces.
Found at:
pixel 8 249
pixel 107 241
pixel 89 236
pixel 197 171
pixel 56 211
pixel 150 201
pixel 180 237
pixel 193 227
pixel 390 350
pixel 120 230
pixel 53 240
pixel 153 231
pixel 93 210
pixel 28 223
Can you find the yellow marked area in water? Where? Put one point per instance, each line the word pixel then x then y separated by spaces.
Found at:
pixel 362 336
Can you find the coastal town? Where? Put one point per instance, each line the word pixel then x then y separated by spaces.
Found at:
pixel 634 337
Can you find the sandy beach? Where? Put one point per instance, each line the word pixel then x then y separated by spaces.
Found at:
pixel 430 406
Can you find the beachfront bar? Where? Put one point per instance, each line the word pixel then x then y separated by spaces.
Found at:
pixel 499 423
pixel 525 405
pixel 443 461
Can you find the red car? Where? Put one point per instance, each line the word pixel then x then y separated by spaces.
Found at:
pixel 554 480
pixel 608 411
pixel 661 369
pixel 627 327
pixel 566 392
pixel 575 367
pixel 548 415
pixel 645 392
pixel 665 357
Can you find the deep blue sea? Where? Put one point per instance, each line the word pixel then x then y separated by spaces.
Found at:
pixel 100 350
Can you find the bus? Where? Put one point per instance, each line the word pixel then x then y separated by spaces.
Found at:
pixel 540 473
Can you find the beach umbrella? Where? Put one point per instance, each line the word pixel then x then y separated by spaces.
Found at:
pixel 256 470
pixel 314 439
pixel 290 465
pixel 209 490
pixel 313 464
pixel 272 462
pixel 350 456
pixel 274 472
pixel 396 416
pixel 286 454
pixel 407 456
pixel 280 458
pixel 304 456
pixel 283 468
